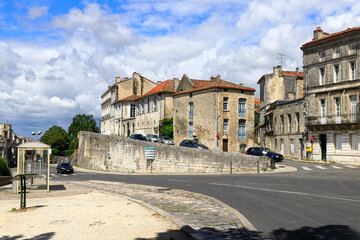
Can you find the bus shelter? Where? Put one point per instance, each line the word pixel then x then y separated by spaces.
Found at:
pixel 34 158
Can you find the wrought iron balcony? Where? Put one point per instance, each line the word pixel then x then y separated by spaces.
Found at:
pixel 352 118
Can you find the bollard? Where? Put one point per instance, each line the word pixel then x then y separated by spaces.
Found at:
pixel 257 164
pixel 272 161
pixel 230 167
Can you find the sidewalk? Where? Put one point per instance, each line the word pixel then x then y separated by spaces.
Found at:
pixel 81 213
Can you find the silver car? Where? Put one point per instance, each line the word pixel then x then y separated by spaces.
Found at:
pixel 166 140
pixel 152 137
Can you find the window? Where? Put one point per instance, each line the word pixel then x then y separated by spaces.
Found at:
pixel 242 107
pixel 322 56
pixel 337 109
pixel 336 52
pixel 226 123
pixel 225 104
pixel 336 70
pixel 242 129
pixel 289 123
pixel 191 111
pixel 155 103
pixel 352 70
pixel 282 123
pixel 143 106
pixel 337 142
pixel 353 104
pixel 322 76
pixel 191 130
pixel 323 111
pixel 292 145
pixel 132 111
pixel 243 147
pixel 298 122
pixel 352 48
pixel 148 104
pixel 354 142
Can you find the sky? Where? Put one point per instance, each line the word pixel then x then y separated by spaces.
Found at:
pixel 58 57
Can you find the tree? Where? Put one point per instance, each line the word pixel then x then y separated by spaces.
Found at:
pixel 166 127
pixel 81 122
pixel 57 138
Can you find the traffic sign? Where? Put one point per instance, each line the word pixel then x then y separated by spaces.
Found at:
pixel 34 158
pixel 312 137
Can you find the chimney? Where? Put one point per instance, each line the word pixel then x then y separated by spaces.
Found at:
pixel 212 78
pixel 277 70
pixel 175 84
pixel 297 71
pixel 159 82
pixel 117 79
pixel 319 33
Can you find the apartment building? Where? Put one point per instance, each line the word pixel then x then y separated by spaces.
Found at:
pixel 220 114
pixel 332 85
pixel 118 104
pixel 281 112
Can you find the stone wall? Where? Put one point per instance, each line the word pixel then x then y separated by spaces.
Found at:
pixel 118 154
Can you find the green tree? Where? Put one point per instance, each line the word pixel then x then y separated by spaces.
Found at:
pixel 166 127
pixel 81 122
pixel 57 138
pixel 4 168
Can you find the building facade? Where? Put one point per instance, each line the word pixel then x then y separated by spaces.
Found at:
pixel 218 113
pixel 332 84
pixel 282 122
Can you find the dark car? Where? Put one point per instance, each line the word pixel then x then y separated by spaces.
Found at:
pixel 193 144
pixel 64 168
pixel 137 136
pixel 259 151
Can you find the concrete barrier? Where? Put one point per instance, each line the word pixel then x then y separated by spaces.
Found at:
pixel 119 154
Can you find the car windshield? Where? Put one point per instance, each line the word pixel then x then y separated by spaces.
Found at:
pixel 154 136
pixel 65 164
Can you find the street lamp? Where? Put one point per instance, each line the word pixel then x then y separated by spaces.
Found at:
pixel 36 134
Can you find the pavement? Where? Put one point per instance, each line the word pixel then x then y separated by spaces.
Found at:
pixel 114 210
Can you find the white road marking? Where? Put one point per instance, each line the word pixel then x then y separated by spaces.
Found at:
pixel 146 178
pixel 65 175
pixel 306 168
pixel 288 192
pixel 80 173
pixel 336 167
pixel 53 175
pixel 320 167
pixel 74 174
pixel 350 166
pixel 177 180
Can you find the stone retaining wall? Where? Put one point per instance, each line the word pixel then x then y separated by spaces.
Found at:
pixel 119 154
pixel 4 180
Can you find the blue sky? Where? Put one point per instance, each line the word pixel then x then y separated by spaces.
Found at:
pixel 58 57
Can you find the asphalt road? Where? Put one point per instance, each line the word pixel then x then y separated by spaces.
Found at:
pixel 317 200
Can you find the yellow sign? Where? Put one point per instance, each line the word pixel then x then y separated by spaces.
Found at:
pixel 308 148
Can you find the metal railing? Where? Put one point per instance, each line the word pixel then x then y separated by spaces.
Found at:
pixel 334 119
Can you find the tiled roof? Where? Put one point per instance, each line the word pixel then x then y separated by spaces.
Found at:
pixel 166 86
pixel 201 83
pixel 237 87
pixel 129 98
pixel 331 36
pixel 292 73
pixel 257 100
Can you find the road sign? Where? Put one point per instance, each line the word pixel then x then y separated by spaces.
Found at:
pixel 34 158
pixel 149 153
pixel 312 137
pixel 217 135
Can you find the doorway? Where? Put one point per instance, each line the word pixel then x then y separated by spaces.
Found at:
pixel 323 146
pixel 225 145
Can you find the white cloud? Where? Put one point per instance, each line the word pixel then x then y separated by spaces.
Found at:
pixel 36 12
pixel 49 81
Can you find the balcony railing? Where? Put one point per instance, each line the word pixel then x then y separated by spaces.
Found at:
pixel 351 118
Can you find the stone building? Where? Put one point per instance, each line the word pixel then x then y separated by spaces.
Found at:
pixel 281 112
pixel 220 114
pixel 117 104
pixel 332 84
pixel 154 106
pixel 8 142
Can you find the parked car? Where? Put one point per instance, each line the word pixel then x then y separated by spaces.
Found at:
pixel 259 151
pixel 152 137
pixel 137 136
pixel 64 168
pixel 166 140
pixel 193 144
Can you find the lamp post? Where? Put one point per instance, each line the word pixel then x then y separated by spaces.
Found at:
pixel 37 134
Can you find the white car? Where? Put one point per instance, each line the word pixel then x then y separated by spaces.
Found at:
pixel 152 137
pixel 166 140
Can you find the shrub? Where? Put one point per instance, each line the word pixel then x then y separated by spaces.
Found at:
pixel 4 168
pixel 69 152
pixel 55 151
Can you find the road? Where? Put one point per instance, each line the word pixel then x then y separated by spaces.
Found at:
pixel 316 199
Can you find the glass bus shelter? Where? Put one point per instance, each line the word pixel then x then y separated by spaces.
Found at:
pixel 34 158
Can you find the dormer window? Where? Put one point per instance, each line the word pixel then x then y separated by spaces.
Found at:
pixel 337 52
pixel 322 56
